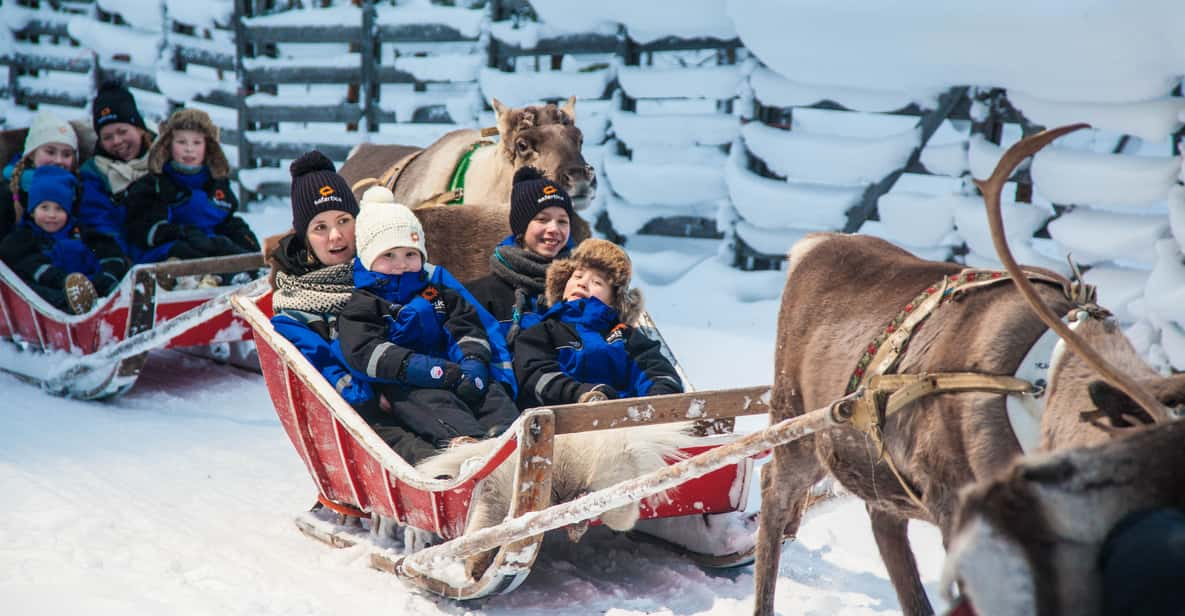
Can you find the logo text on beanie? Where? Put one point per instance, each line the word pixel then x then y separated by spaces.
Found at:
pixel 327 195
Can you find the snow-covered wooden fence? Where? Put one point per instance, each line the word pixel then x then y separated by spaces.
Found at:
pixel 331 77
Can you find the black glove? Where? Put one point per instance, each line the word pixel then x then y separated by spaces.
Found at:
pixel 198 240
pixel 596 392
pixel 425 371
pixel 475 380
pixel 163 233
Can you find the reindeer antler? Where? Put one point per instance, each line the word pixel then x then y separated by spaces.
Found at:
pixel 991 188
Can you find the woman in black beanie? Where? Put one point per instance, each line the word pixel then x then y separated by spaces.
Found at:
pixel 541 231
pixel 312 273
pixel 121 158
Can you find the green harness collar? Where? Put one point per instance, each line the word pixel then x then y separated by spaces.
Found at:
pixel 457 184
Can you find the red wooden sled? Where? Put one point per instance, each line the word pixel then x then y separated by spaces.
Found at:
pixel 99 354
pixel 355 470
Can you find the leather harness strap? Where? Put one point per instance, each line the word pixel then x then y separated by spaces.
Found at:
pixel 882 393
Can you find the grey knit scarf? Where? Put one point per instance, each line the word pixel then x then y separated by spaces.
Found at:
pixel 527 273
pixel 324 290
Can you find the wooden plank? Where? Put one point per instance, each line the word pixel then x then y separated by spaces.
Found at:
pixel 25 95
pixel 205 57
pixel 30 62
pixel 302 74
pixel 693 406
pixel 420 33
pixel 346 113
pixel 301 34
pixel 390 74
pixel 296 149
pixel 674 43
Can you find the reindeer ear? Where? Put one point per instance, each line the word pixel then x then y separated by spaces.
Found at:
pixel 569 109
pixel 501 117
pixel 1116 405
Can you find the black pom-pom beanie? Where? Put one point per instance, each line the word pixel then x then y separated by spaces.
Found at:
pixel 316 188
pixel 531 194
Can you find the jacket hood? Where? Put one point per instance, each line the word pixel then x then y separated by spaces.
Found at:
pixel 395 288
pixel 195 120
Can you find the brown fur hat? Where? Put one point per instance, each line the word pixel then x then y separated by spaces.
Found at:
pixel 610 259
pixel 189 119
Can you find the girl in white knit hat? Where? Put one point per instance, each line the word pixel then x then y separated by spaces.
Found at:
pixel 411 328
pixel 50 141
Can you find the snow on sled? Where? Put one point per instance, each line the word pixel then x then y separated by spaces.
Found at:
pixel 99 354
pixel 358 474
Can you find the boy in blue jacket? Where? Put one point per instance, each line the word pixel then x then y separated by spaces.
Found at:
pixel 64 266
pixel 585 348
pixel 409 327
pixel 184 208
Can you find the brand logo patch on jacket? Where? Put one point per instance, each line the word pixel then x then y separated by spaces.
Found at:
pixel 219 199
pixel 616 334
pixel 431 294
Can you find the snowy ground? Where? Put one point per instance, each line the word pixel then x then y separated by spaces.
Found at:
pixel 178 497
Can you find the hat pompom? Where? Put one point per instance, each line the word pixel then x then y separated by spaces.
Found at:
pixel 527 174
pixel 310 162
pixel 377 195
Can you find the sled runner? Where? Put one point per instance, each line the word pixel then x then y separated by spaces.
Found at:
pixel 99 354
pixel 357 474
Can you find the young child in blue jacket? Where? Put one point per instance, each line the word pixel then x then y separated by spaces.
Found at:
pixel 184 208
pixel 411 328
pixel 63 265
pixel 585 349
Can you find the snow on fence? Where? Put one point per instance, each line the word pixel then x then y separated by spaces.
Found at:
pixel 331 77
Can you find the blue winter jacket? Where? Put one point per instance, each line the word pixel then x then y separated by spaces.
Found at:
pixel 582 343
pixel 416 318
pixel 99 210
pixel 315 336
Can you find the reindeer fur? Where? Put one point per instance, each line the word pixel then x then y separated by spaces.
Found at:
pixel 583 462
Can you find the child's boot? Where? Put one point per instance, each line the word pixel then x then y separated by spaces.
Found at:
pixel 80 293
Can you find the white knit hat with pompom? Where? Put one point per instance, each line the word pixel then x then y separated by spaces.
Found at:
pixel 384 224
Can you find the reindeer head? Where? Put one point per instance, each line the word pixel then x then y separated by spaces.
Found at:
pixel 546 138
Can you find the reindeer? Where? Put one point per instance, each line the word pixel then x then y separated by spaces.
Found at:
pixel 841 291
pixel 545 137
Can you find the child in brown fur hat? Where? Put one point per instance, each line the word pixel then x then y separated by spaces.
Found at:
pixel 585 348
pixel 184 208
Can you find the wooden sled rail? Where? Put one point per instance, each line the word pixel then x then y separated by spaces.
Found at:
pixel 209 265
pixel 148 339
pixel 690 406
pixel 441 557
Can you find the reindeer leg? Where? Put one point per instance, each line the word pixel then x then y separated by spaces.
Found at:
pixel 785 484
pixel 893 543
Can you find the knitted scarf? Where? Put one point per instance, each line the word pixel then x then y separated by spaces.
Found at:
pixel 120 174
pixel 527 273
pixel 324 290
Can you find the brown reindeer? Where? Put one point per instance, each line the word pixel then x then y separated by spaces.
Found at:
pixel 841 292
pixel 1029 542
pixel 545 137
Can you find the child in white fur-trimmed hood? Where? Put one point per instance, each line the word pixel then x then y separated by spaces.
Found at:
pixel 411 328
